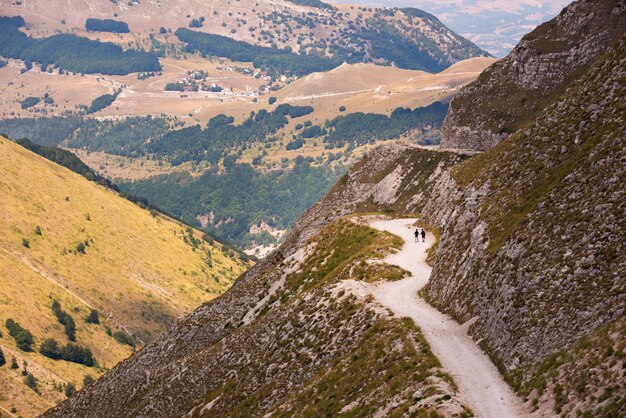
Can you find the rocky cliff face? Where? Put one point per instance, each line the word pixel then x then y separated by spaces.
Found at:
pixel 533 234
pixel 513 91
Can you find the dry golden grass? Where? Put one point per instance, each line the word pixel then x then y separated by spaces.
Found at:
pixel 378 89
pixel 127 168
pixel 140 271
pixel 68 91
pixel 138 97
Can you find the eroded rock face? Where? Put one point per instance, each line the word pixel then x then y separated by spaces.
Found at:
pixel 533 231
pixel 513 91
pixel 393 176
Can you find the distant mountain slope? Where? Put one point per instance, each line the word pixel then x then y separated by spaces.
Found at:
pixel 65 238
pixel 118 123
pixel 352 79
pixel 512 92
pixel 407 38
pixel 496 25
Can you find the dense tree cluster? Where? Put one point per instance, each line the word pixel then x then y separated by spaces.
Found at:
pixel 29 101
pixel 195 23
pixel 93 317
pixel 361 128
pixel 125 137
pixel 313 3
pixel 174 86
pixel 70 352
pixel 23 338
pixel 293 111
pixel 70 389
pixel 295 144
pixel 45 131
pixel 313 131
pixel 273 59
pixel 60 51
pixel 244 195
pixel 88 380
pixel 124 338
pixel 31 381
pixel 77 354
pixel 101 102
pixel 50 348
pixel 196 144
pixel 15 21
pixel 65 319
pixel 106 25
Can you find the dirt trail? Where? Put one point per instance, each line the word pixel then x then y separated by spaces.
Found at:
pixel 481 387
pixel 45 275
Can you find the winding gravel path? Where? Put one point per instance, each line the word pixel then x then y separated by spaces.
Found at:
pixel 481 387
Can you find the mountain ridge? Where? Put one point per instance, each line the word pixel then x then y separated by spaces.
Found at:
pixel 513 91
pixel 531 241
pixel 354 34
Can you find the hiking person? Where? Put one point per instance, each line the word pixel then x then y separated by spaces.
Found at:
pixel 417 235
pixel 423 235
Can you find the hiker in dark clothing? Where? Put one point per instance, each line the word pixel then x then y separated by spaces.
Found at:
pixel 423 235
pixel 417 235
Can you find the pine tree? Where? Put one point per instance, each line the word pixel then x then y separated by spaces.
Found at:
pixel 70 389
pixel 31 382
pixel 50 348
pixel 87 380
pixel 3 361
pixel 93 317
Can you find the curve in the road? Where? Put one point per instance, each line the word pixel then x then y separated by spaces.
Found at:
pixel 480 385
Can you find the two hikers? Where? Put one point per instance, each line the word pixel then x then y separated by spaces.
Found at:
pixel 418 233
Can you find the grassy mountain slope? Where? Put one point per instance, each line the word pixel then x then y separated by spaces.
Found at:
pixel 517 89
pixel 22 286
pixel 377 89
pixel 68 239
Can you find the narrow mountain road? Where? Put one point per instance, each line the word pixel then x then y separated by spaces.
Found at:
pixel 480 385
